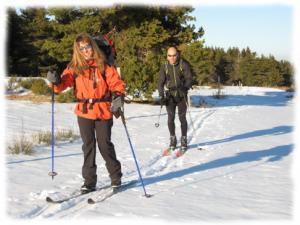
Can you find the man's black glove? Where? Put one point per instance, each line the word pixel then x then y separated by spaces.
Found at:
pixel 117 104
pixel 163 100
pixel 184 89
pixel 53 77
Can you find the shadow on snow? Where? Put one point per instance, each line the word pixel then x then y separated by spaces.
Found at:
pixel 272 131
pixel 268 99
pixel 269 155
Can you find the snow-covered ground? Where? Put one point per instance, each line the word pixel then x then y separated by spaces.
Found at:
pixel 243 173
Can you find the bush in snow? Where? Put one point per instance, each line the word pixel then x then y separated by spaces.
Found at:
pixel 12 83
pixel 25 145
pixel 66 97
pixel 40 87
pixel 45 137
pixel 21 145
pixel 26 83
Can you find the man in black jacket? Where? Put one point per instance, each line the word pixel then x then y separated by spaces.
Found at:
pixel 175 79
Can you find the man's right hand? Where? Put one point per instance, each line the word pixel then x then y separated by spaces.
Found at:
pixel 183 89
pixel 53 77
pixel 163 101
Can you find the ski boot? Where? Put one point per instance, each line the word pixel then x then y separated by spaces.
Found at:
pixel 116 183
pixel 183 147
pixel 172 146
pixel 87 189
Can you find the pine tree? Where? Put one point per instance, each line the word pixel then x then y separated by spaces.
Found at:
pixel 15 46
pixel 42 37
pixel 287 72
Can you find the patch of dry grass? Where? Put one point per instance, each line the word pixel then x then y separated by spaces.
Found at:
pixel 30 97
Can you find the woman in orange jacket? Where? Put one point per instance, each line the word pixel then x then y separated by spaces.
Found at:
pixel 95 84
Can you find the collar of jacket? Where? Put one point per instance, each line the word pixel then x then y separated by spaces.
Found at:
pixel 91 62
pixel 176 63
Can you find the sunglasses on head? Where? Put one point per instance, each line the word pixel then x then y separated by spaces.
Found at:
pixel 85 47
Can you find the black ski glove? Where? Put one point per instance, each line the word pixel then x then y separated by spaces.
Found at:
pixel 117 104
pixel 163 100
pixel 53 77
pixel 184 89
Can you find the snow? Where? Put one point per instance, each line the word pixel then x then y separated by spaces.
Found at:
pixel 243 174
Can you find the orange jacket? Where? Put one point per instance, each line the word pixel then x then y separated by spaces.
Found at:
pixel 85 90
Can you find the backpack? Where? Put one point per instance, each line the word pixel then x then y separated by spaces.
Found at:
pixel 107 47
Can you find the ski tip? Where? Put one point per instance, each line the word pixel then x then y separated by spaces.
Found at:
pixel 178 154
pixel 91 201
pixel 48 199
pixel 166 152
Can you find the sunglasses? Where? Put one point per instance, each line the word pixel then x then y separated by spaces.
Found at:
pixel 171 55
pixel 85 48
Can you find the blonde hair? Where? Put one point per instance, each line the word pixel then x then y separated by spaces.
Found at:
pixel 78 62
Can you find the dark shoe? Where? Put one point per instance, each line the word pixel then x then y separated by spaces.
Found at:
pixel 184 142
pixel 116 183
pixel 173 142
pixel 87 189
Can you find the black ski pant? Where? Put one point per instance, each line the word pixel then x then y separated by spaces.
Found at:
pixel 172 102
pixel 100 130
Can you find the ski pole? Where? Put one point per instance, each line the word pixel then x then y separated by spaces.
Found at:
pixel 157 124
pixel 194 131
pixel 52 173
pixel 136 163
pixel 161 106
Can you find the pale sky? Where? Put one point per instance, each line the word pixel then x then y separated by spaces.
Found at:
pixel 266 29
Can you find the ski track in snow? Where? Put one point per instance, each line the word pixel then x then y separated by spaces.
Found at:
pixel 158 165
pixel 166 177
pixel 161 164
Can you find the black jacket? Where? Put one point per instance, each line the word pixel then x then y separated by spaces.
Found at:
pixel 174 78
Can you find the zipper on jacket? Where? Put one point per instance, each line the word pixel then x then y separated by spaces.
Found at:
pixel 94 79
pixel 174 74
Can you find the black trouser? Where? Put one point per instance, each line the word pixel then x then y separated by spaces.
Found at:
pixel 172 102
pixel 102 129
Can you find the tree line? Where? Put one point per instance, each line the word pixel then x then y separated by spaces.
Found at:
pixel 41 38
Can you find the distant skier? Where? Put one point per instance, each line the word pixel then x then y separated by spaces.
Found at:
pixel 95 84
pixel 175 79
